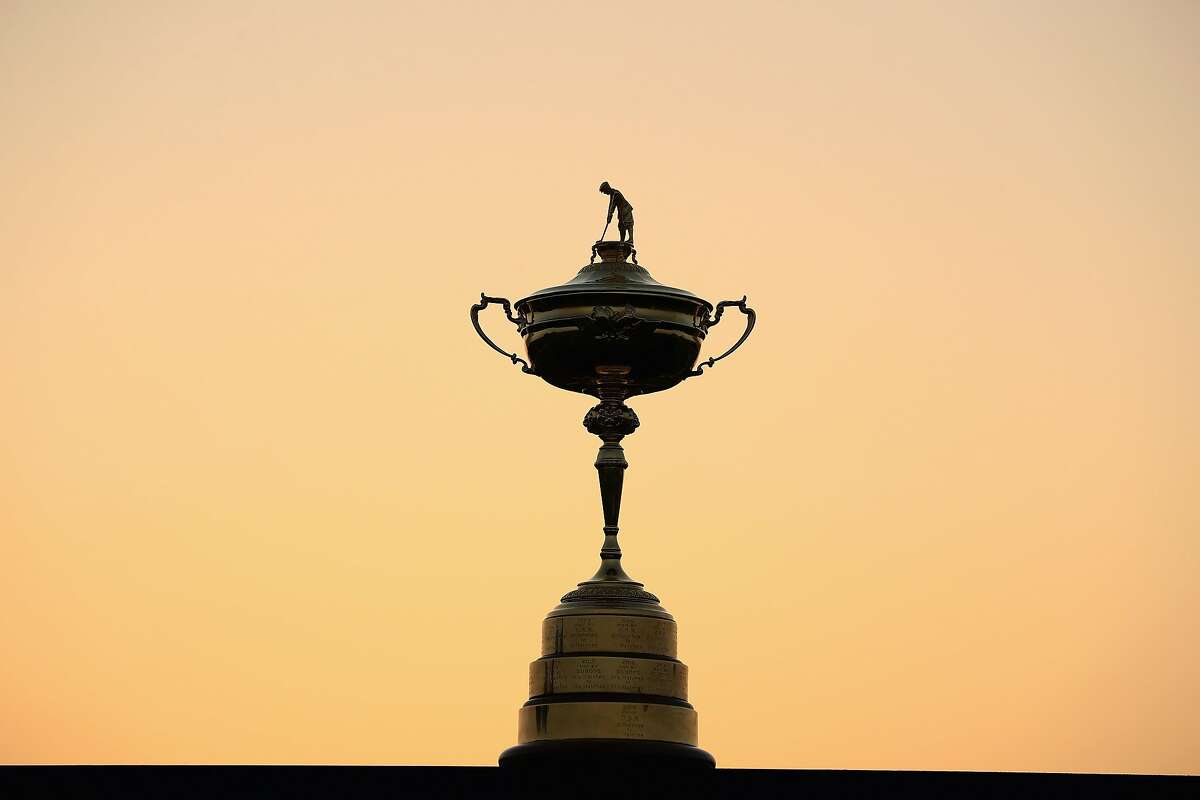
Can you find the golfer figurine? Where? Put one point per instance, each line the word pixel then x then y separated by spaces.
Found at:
pixel 618 203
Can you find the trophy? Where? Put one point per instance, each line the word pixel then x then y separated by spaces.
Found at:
pixel 608 683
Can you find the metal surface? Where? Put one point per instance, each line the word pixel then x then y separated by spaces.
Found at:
pixel 483 303
pixel 624 209
pixel 613 314
pixel 609 633
pixel 594 720
pixel 740 305
pixel 608 679
pixel 626 675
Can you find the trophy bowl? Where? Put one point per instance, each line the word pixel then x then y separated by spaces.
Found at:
pixel 613 325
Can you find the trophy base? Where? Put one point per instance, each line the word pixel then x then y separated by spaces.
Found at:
pixel 635 756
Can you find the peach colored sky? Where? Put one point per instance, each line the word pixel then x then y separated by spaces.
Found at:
pixel 264 497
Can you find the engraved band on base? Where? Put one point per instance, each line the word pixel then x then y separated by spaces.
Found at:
pixel 598 720
pixel 609 633
pixel 632 675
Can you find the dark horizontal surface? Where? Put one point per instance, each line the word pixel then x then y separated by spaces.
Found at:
pixel 605 697
pixel 602 780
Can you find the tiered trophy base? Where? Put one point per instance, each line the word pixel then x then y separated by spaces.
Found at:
pixel 608 688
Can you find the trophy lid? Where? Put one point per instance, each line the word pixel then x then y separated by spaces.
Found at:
pixel 615 273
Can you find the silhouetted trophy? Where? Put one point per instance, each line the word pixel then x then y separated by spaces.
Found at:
pixel 608 687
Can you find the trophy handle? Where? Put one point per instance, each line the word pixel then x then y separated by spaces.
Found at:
pixel 750 319
pixel 483 303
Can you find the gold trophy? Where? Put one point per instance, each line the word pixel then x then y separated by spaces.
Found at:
pixel 608 683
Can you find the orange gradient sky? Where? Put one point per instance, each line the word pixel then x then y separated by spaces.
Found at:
pixel 265 497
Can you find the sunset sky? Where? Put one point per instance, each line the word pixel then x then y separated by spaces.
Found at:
pixel 266 498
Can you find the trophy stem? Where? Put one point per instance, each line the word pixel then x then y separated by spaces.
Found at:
pixel 612 421
pixel 611 466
